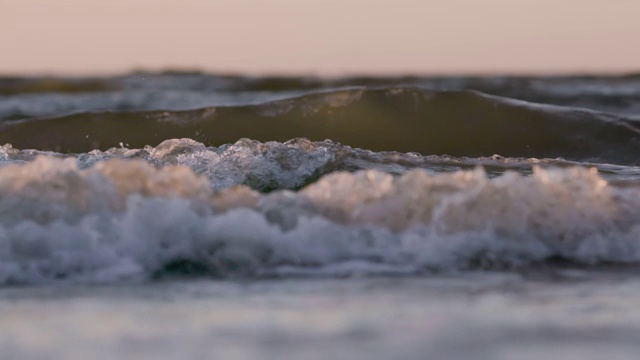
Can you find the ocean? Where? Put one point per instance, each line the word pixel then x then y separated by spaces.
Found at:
pixel 174 215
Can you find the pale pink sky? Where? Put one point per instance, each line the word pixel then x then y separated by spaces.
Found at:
pixel 327 37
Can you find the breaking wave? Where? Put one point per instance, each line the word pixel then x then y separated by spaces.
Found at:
pixel 64 219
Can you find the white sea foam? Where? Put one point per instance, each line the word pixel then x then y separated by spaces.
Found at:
pixel 263 166
pixel 128 219
pixel 293 164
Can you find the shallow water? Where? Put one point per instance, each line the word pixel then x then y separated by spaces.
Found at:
pixel 574 314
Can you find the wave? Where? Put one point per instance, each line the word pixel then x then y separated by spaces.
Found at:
pixel 128 219
pixel 298 162
pixel 34 106
pixel 456 123
pixel 27 97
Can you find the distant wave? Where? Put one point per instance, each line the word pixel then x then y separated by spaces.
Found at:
pixel 456 123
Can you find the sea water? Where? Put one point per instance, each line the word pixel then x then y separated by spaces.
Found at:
pixel 173 215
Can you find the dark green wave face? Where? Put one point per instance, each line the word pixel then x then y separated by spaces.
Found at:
pixel 405 119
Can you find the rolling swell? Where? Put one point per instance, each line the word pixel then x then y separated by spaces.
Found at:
pixel 457 123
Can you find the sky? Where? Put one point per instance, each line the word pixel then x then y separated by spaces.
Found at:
pixel 320 37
